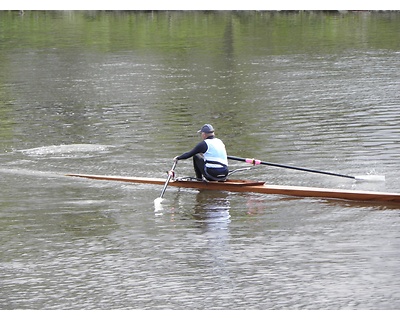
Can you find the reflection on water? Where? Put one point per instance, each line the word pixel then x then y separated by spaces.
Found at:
pixel 121 93
pixel 211 214
pixel 211 210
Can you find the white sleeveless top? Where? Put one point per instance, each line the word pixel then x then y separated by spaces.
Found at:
pixel 216 152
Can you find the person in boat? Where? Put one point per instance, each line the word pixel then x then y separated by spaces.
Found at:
pixel 210 159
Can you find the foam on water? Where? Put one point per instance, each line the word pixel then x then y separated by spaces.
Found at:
pixel 64 149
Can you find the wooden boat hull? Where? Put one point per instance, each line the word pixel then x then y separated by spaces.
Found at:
pixel 259 187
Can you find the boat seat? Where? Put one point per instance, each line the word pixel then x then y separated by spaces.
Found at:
pixel 219 178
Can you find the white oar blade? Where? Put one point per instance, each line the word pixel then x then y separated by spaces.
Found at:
pixel 370 178
pixel 157 204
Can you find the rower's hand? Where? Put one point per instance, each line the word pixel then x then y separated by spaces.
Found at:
pixel 176 159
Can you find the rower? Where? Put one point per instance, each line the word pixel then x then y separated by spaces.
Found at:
pixel 210 159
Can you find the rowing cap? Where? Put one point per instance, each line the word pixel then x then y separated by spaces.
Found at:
pixel 207 128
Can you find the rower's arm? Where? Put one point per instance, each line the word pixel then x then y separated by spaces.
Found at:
pixel 201 147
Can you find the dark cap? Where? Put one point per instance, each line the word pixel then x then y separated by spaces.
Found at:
pixel 207 128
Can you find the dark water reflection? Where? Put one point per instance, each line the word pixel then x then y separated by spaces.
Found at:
pixel 122 93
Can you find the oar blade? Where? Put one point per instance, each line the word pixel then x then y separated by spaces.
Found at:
pixel 158 204
pixel 370 178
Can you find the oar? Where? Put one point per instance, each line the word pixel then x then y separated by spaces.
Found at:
pixel 256 162
pixel 157 202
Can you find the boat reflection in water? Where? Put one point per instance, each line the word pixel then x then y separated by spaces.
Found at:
pixel 212 216
pixel 212 210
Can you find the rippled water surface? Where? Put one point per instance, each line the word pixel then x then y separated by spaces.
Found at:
pixel 123 93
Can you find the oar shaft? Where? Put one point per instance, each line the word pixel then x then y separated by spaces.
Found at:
pixel 256 162
pixel 170 175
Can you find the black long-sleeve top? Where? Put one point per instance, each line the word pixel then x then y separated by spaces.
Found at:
pixel 201 147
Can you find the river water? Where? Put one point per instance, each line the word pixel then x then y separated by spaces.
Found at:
pixel 122 93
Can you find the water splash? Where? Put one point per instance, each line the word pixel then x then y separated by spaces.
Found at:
pixel 64 150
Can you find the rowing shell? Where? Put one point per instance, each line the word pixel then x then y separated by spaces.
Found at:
pixel 259 187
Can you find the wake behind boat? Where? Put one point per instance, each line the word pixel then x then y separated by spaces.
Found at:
pixel 258 187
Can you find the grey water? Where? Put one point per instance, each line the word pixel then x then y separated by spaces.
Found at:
pixel 122 93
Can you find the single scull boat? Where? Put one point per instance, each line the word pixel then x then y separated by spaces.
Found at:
pixel 259 187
